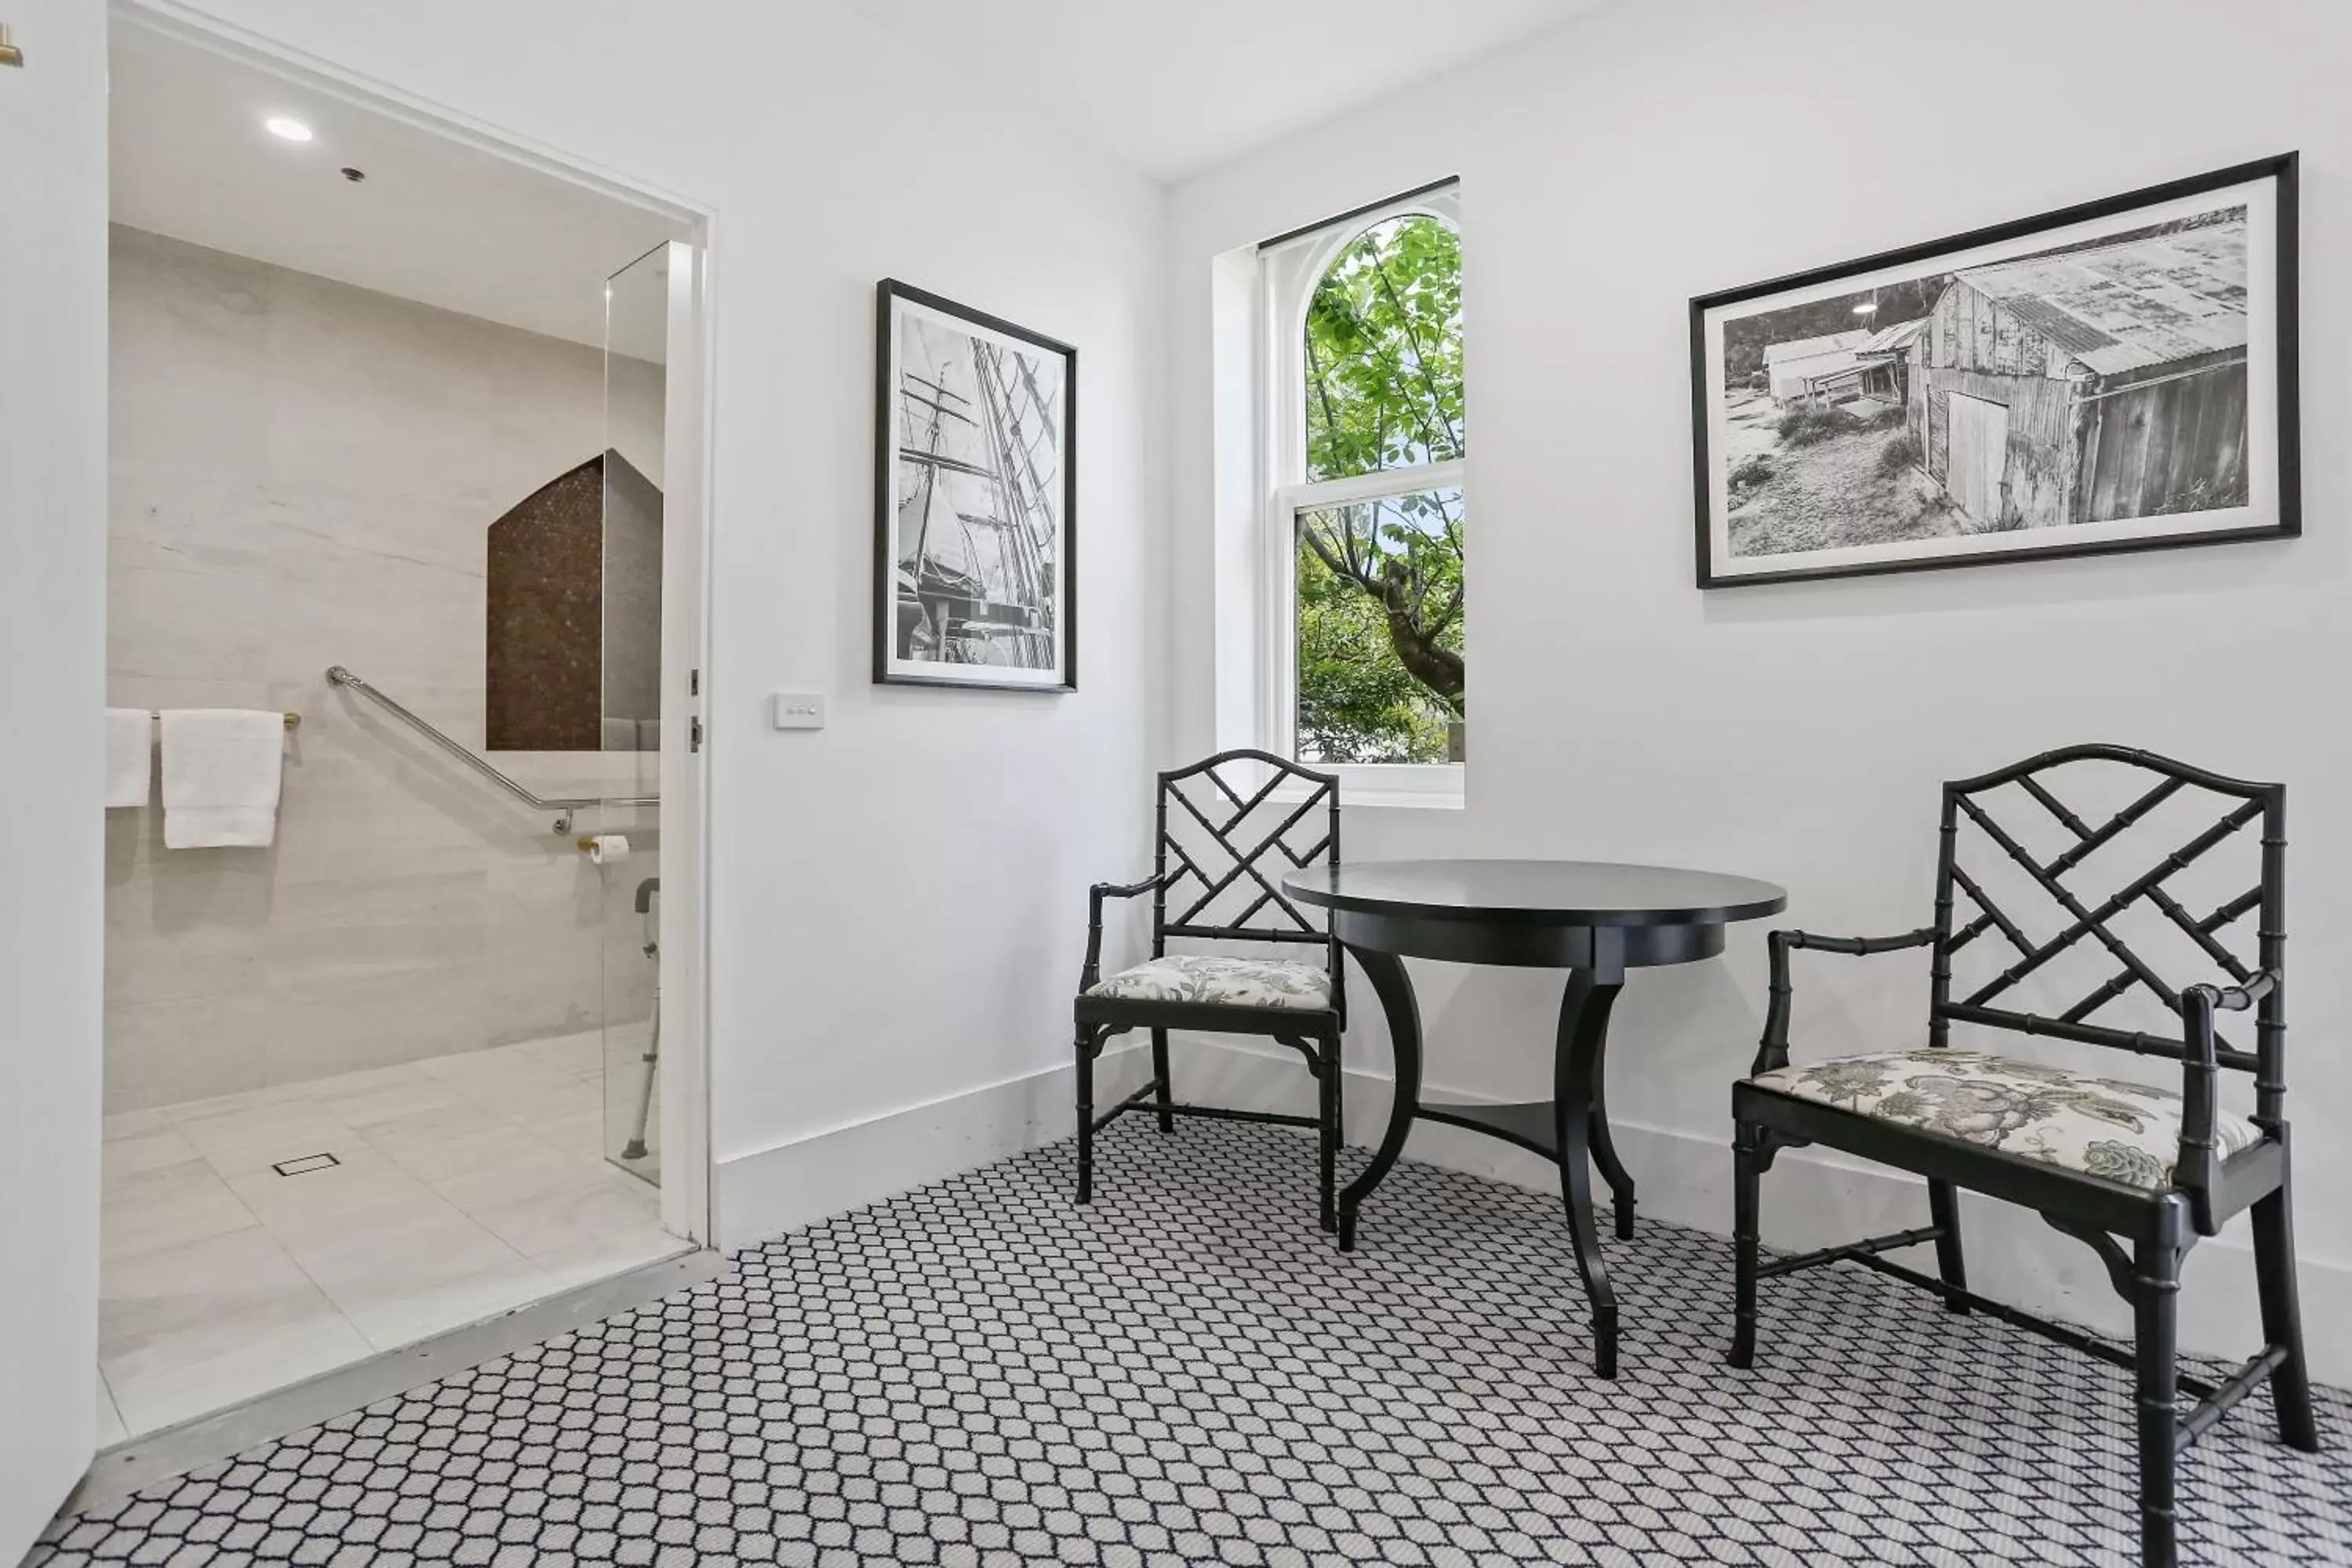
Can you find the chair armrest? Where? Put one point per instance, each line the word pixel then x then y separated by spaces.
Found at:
pixel 1092 971
pixel 1772 1050
pixel 2199 1084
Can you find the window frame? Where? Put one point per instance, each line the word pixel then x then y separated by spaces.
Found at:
pixel 1289 271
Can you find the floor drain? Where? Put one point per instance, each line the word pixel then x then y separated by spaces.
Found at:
pixel 305 1164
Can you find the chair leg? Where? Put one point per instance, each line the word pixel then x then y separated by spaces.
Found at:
pixel 1085 1114
pixel 1944 1207
pixel 1327 1132
pixel 1747 1181
pixel 2156 1313
pixel 1167 1096
pixel 2282 1319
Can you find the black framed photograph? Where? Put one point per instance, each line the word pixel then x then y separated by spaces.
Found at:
pixel 975 499
pixel 2118 376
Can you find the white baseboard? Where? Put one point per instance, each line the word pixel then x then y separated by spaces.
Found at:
pixel 1816 1199
pixel 1811 1199
pixel 813 1178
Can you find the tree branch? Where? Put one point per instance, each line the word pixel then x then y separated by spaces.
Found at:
pixel 1420 356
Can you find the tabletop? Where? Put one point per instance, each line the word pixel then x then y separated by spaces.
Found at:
pixel 1581 893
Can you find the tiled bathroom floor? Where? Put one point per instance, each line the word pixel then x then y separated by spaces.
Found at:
pixel 461 1187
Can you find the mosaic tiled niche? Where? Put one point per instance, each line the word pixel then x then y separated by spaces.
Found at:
pixel 573 643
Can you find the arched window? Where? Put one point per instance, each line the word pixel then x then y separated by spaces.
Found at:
pixel 1365 523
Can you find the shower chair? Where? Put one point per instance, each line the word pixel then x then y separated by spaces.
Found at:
pixel 649 917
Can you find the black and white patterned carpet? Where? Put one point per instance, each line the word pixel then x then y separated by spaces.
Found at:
pixel 1188 1372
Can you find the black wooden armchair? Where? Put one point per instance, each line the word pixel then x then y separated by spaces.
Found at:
pixel 2138 1172
pixel 1211 860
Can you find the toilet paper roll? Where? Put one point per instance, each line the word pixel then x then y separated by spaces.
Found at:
pixel 609 848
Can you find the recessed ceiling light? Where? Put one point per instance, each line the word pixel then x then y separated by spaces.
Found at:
pixel 291 130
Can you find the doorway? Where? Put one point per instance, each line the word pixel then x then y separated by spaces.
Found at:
pixel 405 449
pixel 1979 455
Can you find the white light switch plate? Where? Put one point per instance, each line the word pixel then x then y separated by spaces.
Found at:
pixel 796 710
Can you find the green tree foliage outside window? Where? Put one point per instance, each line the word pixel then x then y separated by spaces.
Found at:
pixel 1379 582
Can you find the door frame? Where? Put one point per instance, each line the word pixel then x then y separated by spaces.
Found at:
pixel 690 390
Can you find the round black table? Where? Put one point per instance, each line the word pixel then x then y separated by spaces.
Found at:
pixel 1595 919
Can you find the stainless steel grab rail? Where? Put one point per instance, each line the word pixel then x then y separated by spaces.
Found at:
pixel 338 676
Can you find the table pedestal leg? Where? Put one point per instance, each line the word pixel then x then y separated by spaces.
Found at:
pixel 1576 1077
pixel 1605 1148
pixel 1386 972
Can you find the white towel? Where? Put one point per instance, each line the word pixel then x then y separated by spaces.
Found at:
pixel 129 756
pixel 220 777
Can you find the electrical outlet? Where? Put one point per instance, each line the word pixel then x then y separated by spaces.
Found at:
pixel 796 710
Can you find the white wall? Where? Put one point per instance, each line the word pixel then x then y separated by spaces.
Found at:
pixel 52 686
pixel 304 473
pixel 1610 171
pixel 897 902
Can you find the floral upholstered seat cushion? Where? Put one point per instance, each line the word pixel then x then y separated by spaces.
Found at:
pixel 2126 1131
pixel 1231 982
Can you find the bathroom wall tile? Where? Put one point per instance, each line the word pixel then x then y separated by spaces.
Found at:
pixel 546 943
pixel 337 517
pixel 181 412
pixel 302 475
pixel 181 932
pixel 399 645
pixel 161 1053
pixel 325 837
pixel 186 517
pixel 324 932
pixel 160 691
pixel 376 1020
pixel 188 890
pixel 386 592
pixel 186 302
pixel 166 622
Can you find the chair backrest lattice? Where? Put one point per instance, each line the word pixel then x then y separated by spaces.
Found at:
pixel 1229 830
pixel 2110 939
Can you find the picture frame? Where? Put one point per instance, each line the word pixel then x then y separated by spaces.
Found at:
pixel 2118 375
pixel 975 499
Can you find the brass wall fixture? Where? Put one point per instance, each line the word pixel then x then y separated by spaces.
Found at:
pixel 10 55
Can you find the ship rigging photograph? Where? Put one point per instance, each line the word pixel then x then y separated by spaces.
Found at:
pixel 975 495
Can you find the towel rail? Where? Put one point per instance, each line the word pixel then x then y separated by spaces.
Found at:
pixel 293 721
pixel 562 806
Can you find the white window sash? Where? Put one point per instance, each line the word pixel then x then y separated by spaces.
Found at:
pixel 1278 669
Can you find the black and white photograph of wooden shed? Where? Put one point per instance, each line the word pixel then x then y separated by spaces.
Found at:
pixel 2116 376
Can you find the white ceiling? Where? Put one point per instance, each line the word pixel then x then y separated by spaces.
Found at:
pixel 436 220
pixel 1177 88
